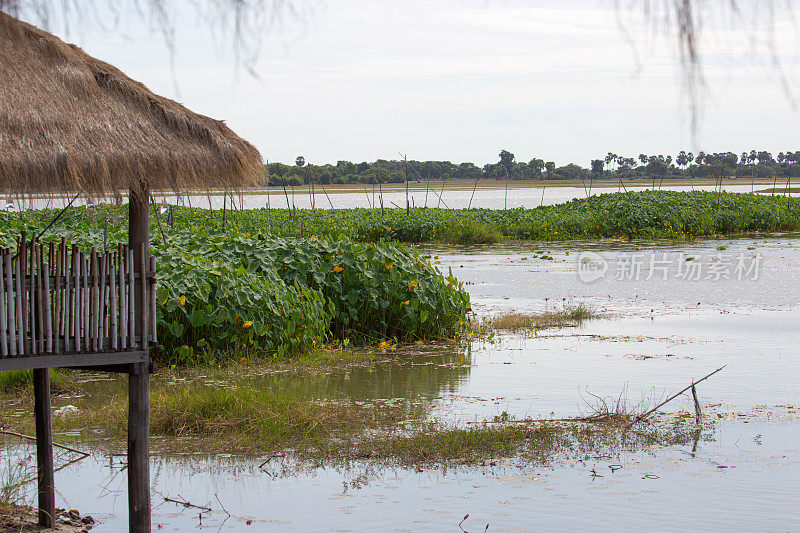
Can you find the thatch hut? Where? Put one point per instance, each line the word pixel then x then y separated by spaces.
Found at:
pixel 70 123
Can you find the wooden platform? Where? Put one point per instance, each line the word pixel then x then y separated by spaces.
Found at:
pixel 61 307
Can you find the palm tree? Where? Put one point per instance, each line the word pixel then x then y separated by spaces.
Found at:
pixel 614 158
pixel 752 158
pixel 682 160
pixel 643 160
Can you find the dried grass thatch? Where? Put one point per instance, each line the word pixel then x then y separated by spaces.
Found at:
pixel 69 122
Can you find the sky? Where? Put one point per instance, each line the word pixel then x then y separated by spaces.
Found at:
pixel 459 80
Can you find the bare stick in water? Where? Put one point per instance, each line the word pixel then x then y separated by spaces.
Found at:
pixel 691 386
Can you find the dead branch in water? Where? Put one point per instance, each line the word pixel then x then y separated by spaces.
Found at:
pixel 33 439
pixel 691 386
pixel 186 503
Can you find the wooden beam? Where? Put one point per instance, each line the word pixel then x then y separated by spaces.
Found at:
pixel 44 447
pixel 73 360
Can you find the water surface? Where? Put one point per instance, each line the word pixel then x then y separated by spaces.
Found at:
pixel 656 334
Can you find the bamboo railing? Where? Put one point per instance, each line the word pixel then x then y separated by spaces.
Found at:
pixel 56 299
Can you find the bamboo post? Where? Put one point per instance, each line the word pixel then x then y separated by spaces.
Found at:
pixel 22 294
pixel 11 315
pixel 112 305
pixel 57 301
pixel 32 298
pixel 76 301
pixel 67 304
pixel 44 447
pixel 48 314
pixel 87 302
pixel 21 347
pixel 39 265
pixel 94 320
pixel 103 331
pixel 153 316
pixel 63 273
pixel 123 301
pixel 42 300
pixel 131 300
pixel 144 262
pixel 3 322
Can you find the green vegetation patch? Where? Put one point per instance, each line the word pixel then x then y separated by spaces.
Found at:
pixel 642 215
pixel 286 296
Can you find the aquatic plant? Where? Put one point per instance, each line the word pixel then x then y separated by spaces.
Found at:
pixel 289 295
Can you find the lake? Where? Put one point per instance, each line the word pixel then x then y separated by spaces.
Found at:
pixel 364 197
pixel 662 324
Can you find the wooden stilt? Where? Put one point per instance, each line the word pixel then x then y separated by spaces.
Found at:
pixel 139 378
pixel 139 450
pixel 44 447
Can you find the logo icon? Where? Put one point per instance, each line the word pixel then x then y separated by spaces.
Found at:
pixel 591 266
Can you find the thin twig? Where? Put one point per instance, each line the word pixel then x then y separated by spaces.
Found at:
pixel 64 210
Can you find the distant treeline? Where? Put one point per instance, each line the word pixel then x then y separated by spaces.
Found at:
pixel 752 164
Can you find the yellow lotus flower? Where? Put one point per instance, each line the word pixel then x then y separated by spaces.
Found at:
pixel 337 268
pixel 247 323
pixel 407 302
pixel 383 346
pixel 181 300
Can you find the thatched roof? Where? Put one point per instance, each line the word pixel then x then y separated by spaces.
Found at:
pixel 69 122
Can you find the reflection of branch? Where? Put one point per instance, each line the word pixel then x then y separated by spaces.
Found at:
pixel 220 504
pixel 33 439
pixel 62 467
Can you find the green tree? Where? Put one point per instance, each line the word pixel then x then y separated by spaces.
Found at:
pixel 550 168
pixel 506 161
pixel 536 166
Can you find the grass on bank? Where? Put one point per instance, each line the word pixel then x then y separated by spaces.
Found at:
pixel 11 380
pixel 557 318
